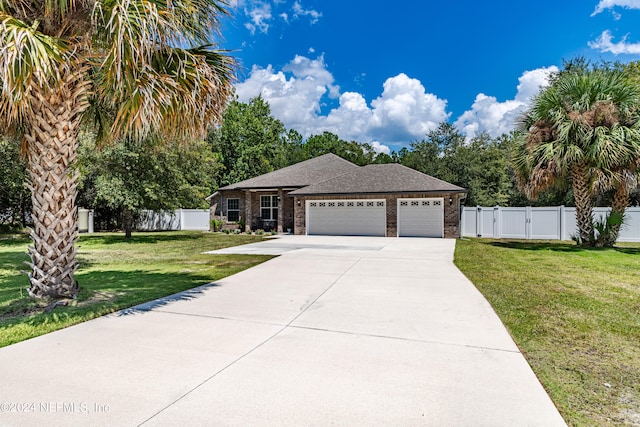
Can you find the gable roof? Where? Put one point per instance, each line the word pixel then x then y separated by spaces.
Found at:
pixel 299 175
pixel 385 178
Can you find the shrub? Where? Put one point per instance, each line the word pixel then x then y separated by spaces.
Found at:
pixel 608 228
pixel 216 224
pixel 605 230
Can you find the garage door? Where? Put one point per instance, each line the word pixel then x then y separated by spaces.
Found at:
pixel 421 217
pixel 347 217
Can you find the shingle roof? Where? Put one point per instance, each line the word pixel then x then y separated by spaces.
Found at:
pixel 385 178
pixel 299 175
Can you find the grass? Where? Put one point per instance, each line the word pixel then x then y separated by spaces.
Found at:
pixel 574 313
pixel 113 274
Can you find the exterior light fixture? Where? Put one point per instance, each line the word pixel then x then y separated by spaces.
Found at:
pixel 450 200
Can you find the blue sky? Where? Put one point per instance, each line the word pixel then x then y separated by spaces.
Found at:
pixel 385 73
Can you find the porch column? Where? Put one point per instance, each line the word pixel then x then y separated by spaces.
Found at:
pixel 280 210
pixel 247 211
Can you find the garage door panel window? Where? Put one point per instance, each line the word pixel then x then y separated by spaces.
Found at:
pixel 269 207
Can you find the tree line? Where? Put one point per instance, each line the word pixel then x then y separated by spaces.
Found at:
pixel 251 142
pixel 117 180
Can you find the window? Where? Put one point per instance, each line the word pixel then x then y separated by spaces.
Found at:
pixel 269 207
pixel 233 210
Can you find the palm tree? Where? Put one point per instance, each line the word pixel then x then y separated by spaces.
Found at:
pixel 583 129
pixel 132 68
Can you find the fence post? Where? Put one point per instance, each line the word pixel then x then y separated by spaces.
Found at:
pixel 181 223
pixel 478 221
pixel 528 229
pixel 562 224
pixel 90 230
pixel 497 219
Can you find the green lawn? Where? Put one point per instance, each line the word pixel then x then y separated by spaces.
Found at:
pixel 114 273
pixel 574 313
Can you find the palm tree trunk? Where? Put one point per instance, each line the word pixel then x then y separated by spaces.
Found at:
pixel 582 198
pixel 51 143
pixel 619 204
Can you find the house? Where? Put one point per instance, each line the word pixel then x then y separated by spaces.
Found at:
pixel 331 196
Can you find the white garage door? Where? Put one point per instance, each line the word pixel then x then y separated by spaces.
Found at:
pixel 347 217
pixel 421 217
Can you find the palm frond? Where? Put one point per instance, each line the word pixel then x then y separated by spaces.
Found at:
pixel 179 94
pixel 27 57
pixel 134 30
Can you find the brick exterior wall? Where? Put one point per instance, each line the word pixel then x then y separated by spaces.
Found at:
pixel 451 212
pixel 219 204
pixel 249 204
pixel 287 223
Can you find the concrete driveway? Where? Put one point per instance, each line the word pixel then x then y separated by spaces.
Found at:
pixel 337 330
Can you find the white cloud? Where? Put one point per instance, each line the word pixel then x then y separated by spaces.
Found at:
pixel 380 148
pixel 299 11
pixel 605 43
pixel 530 83
pixel 405 110
pixel 489 115
pixel 402 113
pixel 260 15
pixel 610 4
pixel 294 97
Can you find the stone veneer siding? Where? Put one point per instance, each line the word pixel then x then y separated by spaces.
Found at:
pixel 451 213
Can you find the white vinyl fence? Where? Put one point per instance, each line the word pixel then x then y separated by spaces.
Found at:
pixel 85 220
pixel 180 219
pixel 546 223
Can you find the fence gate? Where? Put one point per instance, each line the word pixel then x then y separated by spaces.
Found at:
pixel 486 221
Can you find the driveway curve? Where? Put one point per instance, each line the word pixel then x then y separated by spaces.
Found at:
pixel 336 330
